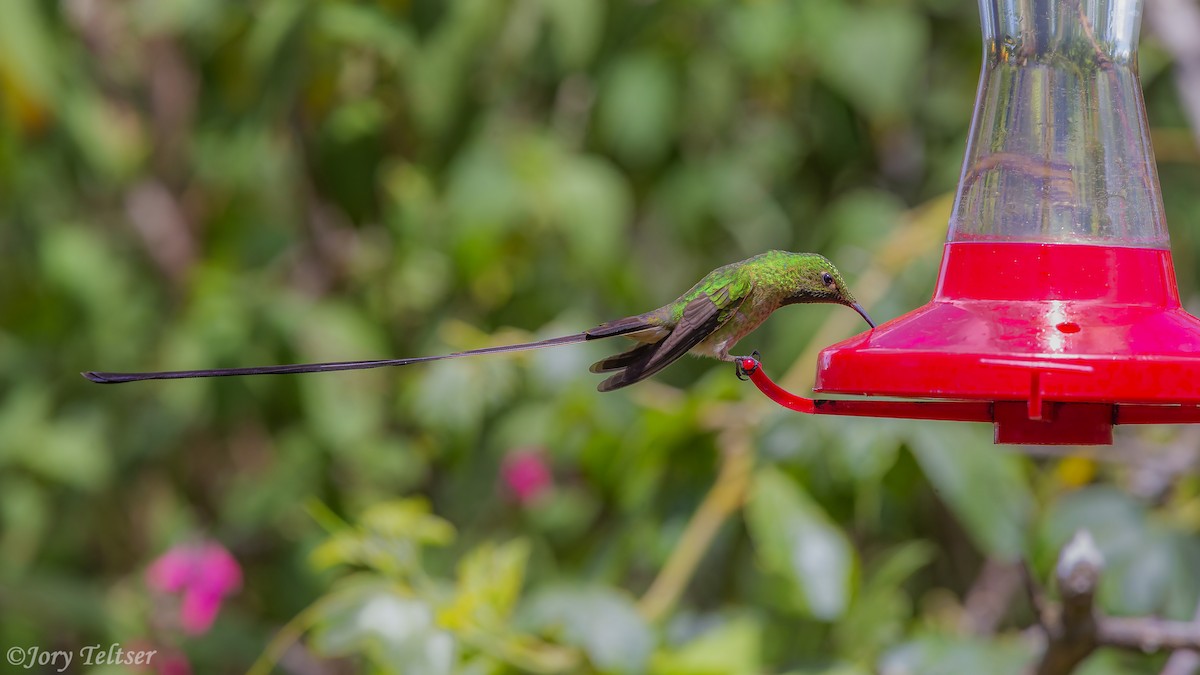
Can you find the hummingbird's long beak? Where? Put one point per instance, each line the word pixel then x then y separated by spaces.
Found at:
pixel 859 308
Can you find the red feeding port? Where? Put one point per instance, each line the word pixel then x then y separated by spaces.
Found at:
pixel 1056 313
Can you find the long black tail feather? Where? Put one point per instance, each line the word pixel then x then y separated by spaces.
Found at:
pixel 624 326
pixel 116 378
pixel 633 372
pixel 624 359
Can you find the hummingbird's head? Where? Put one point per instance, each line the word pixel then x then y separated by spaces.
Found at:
pixel 820 281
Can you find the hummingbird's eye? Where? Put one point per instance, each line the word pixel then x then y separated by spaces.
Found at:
pixel 828 279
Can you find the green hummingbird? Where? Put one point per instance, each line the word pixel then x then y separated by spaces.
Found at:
pixel 707 320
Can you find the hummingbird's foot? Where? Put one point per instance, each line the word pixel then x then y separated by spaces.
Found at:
pixel 743 371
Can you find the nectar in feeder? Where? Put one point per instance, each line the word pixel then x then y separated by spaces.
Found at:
pixel 1056 312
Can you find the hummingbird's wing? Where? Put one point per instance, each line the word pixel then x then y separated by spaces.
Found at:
pixel 630 324
pixel 702 316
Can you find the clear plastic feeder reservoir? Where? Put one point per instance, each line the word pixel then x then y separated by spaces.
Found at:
pixel 1056 312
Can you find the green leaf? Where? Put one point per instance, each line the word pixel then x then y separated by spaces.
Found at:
pixel 1111 662
pixel 343 410
pixel 454 395
pixel 365 26
pixel 985 488
pixel 1149 569
pixel 601 621
pixel 276 21
pixel 437 77
pixel 871 55
pixel 743 202
pixel 576 27
pixel 565 512
pixel 483 192
pixel 858 217
pixel 796 539
pixel 408 519
pixel 166 17
pixel 935 654
pixel 65 449
pixel 81 262
pixel 836 669
pixel 761 34
pixel 732 648
pixel 342 548
pixel 357 120
pixel 389 538
pixel 489 583
pixel 592 204
pixel 27 56
pixel 25 515
pixel 268 496
pixel 866 450
pixel 711 93
pixel 880 611
pixel 637 104
pixel 396 632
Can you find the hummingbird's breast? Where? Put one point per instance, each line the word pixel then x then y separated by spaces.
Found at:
pixel 743 322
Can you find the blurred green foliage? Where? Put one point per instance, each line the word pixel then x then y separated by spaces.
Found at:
pixel 210 183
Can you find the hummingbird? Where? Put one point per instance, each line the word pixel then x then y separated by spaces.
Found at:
pixel 708 320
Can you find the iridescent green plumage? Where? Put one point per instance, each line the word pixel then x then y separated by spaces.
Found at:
pixel 707 320
pixel 725 306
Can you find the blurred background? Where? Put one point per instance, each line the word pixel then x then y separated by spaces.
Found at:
pixel 205 183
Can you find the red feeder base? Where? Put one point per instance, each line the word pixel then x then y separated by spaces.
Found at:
pixel 1058 338
pixel 1015 421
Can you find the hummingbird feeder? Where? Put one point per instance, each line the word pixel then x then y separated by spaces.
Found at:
pixel 1056 312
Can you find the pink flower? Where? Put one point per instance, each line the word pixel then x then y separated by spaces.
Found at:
pixel 526 474
pixel 204 574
